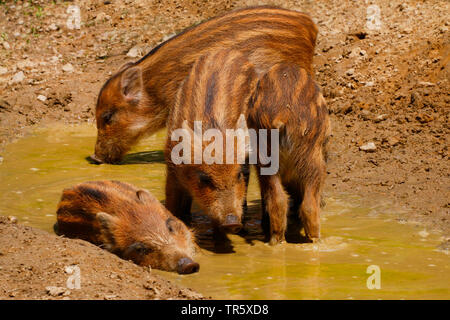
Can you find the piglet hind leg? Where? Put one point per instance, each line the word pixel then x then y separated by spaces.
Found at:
pixel 275 205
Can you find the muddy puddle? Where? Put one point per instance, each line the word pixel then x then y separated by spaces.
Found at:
pixel 35 169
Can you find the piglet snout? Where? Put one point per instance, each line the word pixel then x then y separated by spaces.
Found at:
pixel 231 224
pixel 186 266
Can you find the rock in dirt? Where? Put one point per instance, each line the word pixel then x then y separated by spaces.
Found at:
pixel 3 70
pixel 134 52
pixel 350 72
pixel 368 147
pixel 18 77
pixel 56 291
pixel 380 118
pixel 41 98
pixel 68 68
pixel 12 219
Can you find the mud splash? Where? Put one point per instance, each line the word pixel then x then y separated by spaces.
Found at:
pixel 36 169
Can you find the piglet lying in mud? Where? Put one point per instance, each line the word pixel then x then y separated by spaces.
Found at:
pixel 129 222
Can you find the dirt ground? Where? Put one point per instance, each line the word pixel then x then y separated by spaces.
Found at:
pixel 387 85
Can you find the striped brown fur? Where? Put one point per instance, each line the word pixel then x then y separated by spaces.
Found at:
pixel 288 99
pixel 216 92
pixel 136 100
pixel 127 221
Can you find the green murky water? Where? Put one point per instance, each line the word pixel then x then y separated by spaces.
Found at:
pixel 35 169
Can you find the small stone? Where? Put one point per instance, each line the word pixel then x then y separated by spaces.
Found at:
pixel 53 27
pixel 55 291
pixel 12 219
pixel 41 98
pixel 18 77
pixel 6 45
pixel 426 84
pixel 3 70
pixel 370 84
pixel 68 67
pixel 350 72
pixel 134 52
pixel 368 147
pixel 1 160
pixel 380 118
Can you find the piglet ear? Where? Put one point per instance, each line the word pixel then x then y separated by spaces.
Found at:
pixel 107 225
pixel 145 196
pixel 131 84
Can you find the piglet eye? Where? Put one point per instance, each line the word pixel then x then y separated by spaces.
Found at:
pixel 205 179
pixel 107 116
pixel 169 224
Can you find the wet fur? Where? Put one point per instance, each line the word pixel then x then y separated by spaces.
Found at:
pixel 264 35
pixel 287 98
pixel 115 215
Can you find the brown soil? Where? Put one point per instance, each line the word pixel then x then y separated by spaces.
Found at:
pixel 388 86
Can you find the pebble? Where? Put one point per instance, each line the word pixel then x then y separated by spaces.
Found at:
pixel 426 84
pixel 380 118
pixel 18 77
pixel 12 219
pixel 55 291
pixel 368 147
pixel 68 67
pixel 6 45
pixel 350 72
pixel 53 27
pixel 3 70
pixel 134 52
pixel 41 98
pixel 1 160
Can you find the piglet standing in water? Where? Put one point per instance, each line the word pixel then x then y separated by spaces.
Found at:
pixel 288 99
pixel 213 99
pixel 129 222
